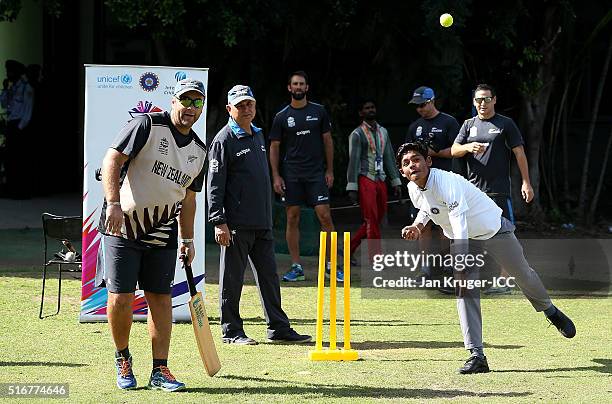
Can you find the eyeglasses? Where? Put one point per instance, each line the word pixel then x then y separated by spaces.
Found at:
pixel 187 102
pixel 423 104
pixel 479 100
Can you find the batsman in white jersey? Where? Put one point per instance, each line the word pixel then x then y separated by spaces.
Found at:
pixel 465 213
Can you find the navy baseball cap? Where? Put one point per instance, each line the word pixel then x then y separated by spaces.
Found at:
pixel 421 95
pixel 189 84
pixel 239 93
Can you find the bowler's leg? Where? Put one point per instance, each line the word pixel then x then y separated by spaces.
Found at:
pixel 470 319
pixel 507 250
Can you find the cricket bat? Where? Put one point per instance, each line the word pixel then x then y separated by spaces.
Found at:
pixel 201 328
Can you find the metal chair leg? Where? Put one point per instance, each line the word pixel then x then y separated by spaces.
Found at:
pixel 42 297
pixel 59 289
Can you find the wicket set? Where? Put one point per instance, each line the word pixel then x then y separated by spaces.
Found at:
pixel 333 353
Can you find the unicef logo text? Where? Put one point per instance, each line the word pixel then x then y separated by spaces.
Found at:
pixel 114 81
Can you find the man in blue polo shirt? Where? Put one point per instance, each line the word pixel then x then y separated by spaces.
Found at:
pixel 240 208
pixel 304 128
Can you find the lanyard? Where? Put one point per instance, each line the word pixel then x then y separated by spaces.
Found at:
pixel 368 135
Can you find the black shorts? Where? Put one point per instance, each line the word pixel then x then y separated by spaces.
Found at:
pixel 122 263
pixel 309 192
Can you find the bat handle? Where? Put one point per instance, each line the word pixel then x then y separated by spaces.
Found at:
pixel 189 275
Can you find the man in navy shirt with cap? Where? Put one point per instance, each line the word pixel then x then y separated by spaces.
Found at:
pixel 240 208
pixel 434 126
pixel 439 130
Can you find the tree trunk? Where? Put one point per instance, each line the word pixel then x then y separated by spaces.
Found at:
pixel 595 200
pixel 535 107
pixel 587 159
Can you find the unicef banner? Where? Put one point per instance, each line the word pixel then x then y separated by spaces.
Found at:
pixel 114 95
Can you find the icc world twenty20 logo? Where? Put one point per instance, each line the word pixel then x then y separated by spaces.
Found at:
pixel 142 108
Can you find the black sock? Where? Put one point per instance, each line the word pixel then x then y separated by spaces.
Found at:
pixel 477 351
pixel 159 362
pixel 550 311
pixel 124 353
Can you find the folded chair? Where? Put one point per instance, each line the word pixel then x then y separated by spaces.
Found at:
pixel 60 232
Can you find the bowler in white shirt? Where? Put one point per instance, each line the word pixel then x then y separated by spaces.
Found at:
pixel 466 213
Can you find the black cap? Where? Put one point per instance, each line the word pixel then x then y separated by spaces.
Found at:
pixel 421 95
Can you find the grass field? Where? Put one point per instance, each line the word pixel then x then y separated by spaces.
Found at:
pixel 410 351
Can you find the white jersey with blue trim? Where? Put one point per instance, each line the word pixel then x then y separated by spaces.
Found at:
pixel 448 195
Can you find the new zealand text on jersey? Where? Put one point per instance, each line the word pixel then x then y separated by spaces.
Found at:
pixel 171 173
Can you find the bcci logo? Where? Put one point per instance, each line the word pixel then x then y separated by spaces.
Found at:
pixel 149 81
pixel 290 122
pixel 126 79
pixel 180 76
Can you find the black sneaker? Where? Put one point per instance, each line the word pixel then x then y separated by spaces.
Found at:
pixel 291 337
pixel 239 340
pixel 563 323
pixel 475 364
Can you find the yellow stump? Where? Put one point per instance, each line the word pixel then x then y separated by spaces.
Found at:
pixel 320 292
pixel 333 353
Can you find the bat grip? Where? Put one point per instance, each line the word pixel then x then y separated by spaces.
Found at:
pixel 189 275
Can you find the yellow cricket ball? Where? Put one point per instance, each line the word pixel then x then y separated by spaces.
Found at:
pixel 446 20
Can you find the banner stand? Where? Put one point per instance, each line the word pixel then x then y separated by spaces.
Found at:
pixel 114 95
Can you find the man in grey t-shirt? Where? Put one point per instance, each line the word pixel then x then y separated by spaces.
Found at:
pixel 487 141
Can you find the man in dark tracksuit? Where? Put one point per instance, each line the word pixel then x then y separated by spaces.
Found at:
pixel 240 208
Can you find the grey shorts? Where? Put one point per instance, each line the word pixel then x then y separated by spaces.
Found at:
pixel 122 263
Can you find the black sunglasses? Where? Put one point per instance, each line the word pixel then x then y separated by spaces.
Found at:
pixel 187 102
pixel 423 104
pixel 479 100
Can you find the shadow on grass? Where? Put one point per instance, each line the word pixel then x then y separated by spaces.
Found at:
pixel 43 364
pixel 302 389
pixel 413 360
pixel 354 322
pixel 606 368
pixel 365 345
pixel 36 273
